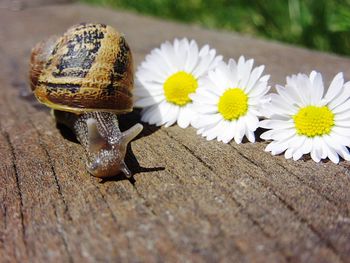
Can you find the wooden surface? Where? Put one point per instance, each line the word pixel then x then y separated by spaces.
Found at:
pixel 190 200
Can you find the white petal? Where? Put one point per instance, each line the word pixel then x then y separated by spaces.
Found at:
pixel 157 67
pixel 259 90
pixel 186 115
pixel 255 75
pixel 250 135
pixel 204 51
pixel 205 120
pixel 283 134
pixel 267 135
pixel 265 78
pixel 223 77
pixel 344 107
pixel 159 62
pixel 307 146
pixel 344 153
pixel 245 73
pixel 335 87
pixel 297 155
pixel 232 65
pixel 298 141
pixel 313 75
pixel 181 50
pixel 204 64
pixel 230 133
pixel 204 97
pixel 289 153
pixel 315 156
pixel 148 114
pixel 342 116
pixel 276 147
pixel 276 124
pixel 252 122
pixel 152 89
pixel 192 58
pixel 240 65
pixel 164 112
pixel 160 114
pixel 317 89
pixel 150 75
pixel 316 151
pixel 290 94
pixel 169 55
pixel 205 108
pixel 279 106
pixel 200 131
pixel 332 154
pixel 215 62
pixel 341 131
pixel 148 101
pixel 338 139
pixel 304 87
pixel 219 84
pixel 240 131
pixel 225 129
pixel 172 116
pixel 213 132
pixel 341 98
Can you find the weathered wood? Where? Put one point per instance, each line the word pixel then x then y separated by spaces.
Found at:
pixel 190 200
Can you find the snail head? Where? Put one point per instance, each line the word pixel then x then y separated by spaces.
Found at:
pixel 106 156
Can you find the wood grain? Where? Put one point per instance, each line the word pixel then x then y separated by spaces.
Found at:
pixel 190 200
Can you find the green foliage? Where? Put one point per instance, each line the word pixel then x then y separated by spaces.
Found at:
pixel 318 24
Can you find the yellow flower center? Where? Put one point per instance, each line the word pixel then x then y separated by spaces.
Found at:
pixel 314 121
pixel 178 86
pixel 233 104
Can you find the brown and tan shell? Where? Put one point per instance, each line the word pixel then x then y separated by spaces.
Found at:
pixel 88 69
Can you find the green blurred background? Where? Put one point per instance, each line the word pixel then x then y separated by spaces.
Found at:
pixel 317 24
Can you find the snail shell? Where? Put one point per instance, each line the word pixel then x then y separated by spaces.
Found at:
pixel 89 68
pixel 86 76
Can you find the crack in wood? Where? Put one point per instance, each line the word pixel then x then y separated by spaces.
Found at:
pixel 4 215
pixel 146 203
pixel 58 185
pixel 235 247
pixel 239 204
pixel 311 187
pixel 108 207
pixel 197 210
pixel 63 236
pixel 303 220
pixel 20 195
pixel 61 232
pixel 113 216
pixel 52 167
pixel 66 211
pixel 212 170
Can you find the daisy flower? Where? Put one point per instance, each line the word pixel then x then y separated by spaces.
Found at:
pixel 306 119
pixel 167 77
pixel 228 103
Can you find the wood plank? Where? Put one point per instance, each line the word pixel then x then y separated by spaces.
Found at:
pixel 190 200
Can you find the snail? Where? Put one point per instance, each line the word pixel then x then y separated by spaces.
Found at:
pixel 86 77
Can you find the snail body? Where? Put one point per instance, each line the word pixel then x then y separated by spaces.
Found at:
pixel 102 139
pixel 86 76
